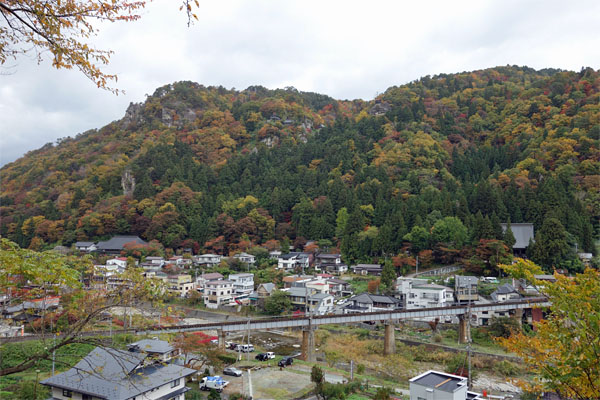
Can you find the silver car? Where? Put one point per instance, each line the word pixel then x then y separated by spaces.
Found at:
pixel 232 371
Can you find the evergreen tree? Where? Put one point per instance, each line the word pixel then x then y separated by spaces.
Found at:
pixel 551 246
pixel 388 276
pixel 509 237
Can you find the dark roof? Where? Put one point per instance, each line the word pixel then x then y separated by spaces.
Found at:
pixel 151 346
pixel 522 234
pixel 293 255
pixel 328 256
pixel 85 244
pixel 373 298
pixel 440 381
pixel 117 242
pixel 463 281
pixel 112 374
pixel 505 289
pixel 337 281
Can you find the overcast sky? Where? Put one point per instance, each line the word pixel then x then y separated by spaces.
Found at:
pixel 346 49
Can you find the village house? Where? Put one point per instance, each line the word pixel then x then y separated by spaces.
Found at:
pixel 205 278
pixel 320 303
pixel 416 293
pixel 465 288
pixel 367 269
pixel 117 243
pixel 86 247
pixel 243 286
pixel 208 260
pixel 441 386
pixel 367 302
pixel 119 261
pixel 145 370
pixel 180 261
pixel 218 293
pixel 523 234
pixel 293 260
pixel 505 292
pixel 245 258
pixel 331 263
pixel 180 284
pixel 339 287
pixel 263 291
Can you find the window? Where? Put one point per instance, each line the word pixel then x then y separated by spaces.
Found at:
pixel 67 393
pixel 86 397
pixel 175 383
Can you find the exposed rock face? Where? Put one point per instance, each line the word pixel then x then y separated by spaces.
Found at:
pixel 133 115
pixel 380 108
pixel 128 183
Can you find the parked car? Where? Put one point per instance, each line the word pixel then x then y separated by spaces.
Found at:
pixel 233 371
pixel 262 357
pixel 270 355
pixel 285 361
pixel 232 346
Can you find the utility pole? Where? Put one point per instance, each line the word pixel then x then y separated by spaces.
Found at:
pixel 470 384
pixel 417 265
pixel 248 333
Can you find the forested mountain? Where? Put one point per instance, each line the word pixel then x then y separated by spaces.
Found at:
pixel 433 166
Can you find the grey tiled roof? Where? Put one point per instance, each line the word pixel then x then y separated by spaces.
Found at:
pixel 117 242
pixel 152 346
pixel 373 298
pixel 522 233
pixel 111 374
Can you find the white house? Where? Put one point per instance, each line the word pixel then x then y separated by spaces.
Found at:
pixel 245 258
pixel 293 260
pixel 218 293
pixel 243 285
pixel 434 385
pixel 418 293
pixel 120 261
pixel 320 303
pixel 210 260
pixel 87 247
pixel 112 374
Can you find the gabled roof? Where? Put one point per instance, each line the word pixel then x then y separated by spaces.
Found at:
pixel 269 286
pixel 114 374
pixel 337 281
pixel 298 291
pixel 505 289
pixel 84 244
pixel 117 242
pixel 319 296
pixel 322 255
pixel 522 233
pixel 368 298
pixel 213 276
pixel 151 346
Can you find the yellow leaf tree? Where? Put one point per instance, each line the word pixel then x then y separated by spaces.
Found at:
pixel 64 28
pixel 564 350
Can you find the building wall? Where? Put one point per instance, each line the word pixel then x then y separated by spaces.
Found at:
pixel 57 393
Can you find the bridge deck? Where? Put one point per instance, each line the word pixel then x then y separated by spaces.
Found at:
pixel 304 321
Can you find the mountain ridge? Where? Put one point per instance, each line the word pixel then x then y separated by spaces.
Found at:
pixel 502 127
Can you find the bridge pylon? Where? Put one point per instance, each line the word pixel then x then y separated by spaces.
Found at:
pixel 389 341
pixel 308 344
pixel 222 334
pixel 464 333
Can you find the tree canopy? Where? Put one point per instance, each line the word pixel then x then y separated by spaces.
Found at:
pixel 564 349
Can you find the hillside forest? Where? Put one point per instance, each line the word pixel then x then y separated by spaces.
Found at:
pixel 430 169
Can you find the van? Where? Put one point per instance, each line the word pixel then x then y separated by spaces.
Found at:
pixel 244 348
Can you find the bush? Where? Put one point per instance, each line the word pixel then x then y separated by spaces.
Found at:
pixel 437 338
pixel 31 390
pixel 450 334
pixel 360 369
pixel 507 368
pixel 504 327
pixel 227 358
